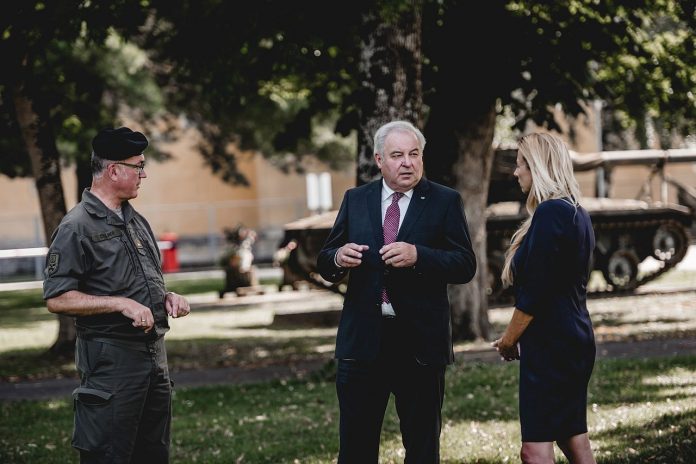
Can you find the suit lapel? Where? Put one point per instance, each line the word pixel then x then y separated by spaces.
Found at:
pixel 374 210
pixel 415 208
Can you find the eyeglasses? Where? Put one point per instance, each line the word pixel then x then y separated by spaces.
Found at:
pixel 140 167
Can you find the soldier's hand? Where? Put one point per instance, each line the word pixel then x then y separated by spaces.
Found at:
pixel 141 315
pixel 177 305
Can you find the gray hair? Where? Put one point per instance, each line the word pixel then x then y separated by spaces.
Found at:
pixel 98 165
pixel 400 126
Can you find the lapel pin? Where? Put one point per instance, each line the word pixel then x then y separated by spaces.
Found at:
pixel 422 198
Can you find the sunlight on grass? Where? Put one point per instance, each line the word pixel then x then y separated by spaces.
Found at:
pixel 493 441
pixel 33 335
pixel 675 377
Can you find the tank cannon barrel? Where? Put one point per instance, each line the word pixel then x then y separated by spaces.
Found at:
pixel 590 161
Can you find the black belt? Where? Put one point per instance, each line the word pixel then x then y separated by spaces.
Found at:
pixel 137 345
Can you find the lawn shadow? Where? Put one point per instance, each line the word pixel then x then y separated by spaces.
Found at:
pixel 248 352
pixel 35 364
pixel 634 383
pixel 489 392
pixel 670 438
pixel 296 423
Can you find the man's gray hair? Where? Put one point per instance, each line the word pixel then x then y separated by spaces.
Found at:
pixel 98 165
pixel 401 126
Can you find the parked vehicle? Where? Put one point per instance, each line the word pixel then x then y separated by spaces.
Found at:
pixel 627 231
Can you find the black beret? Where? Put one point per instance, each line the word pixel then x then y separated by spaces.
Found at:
pixel 118 144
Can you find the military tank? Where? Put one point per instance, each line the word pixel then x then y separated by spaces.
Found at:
pixel 627 231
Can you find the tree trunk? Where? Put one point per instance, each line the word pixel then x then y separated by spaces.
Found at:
pixel 472 170
pixel 83 170
pixel 390 68
pixel 460 155
pixel 45 164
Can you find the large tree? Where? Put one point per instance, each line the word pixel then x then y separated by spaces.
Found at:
pixel 364 61
pixel 265 74
pixel 533 57
pixel 52 92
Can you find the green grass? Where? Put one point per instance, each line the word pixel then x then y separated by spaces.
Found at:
pixel 193 286
pixel 197 353
pixel 24 299
pixel 190 287
pixel 20 299
pixel 33 364
pixel 26 306
pixel 640 411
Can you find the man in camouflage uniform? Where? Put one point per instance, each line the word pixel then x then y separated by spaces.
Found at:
pixel 103 268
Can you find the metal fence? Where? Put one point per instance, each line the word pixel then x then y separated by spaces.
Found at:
pixel 199 227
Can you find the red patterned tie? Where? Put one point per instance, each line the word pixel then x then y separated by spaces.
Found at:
pixel 390 228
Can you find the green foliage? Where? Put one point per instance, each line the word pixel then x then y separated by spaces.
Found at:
pixel 265 75
pixel 654 75
pixel 72 59
pixel 280 77
pixel 634 55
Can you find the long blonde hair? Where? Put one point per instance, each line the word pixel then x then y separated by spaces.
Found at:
pixel 552 177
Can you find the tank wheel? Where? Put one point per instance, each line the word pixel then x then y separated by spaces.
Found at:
pixel 621 271
pixel 668 242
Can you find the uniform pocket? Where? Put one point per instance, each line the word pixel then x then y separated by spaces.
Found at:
pixel 93 419
pixel 88 354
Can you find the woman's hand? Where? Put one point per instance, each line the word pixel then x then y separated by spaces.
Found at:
pixel 507 351
pixel 507 344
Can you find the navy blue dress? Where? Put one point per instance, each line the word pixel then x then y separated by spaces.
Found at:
pixel 557 350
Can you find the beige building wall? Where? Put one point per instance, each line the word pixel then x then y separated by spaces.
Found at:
pixel 182 195
pixel 20 215
pixel 285 195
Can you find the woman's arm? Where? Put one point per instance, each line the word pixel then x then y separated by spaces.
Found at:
pixel 507 344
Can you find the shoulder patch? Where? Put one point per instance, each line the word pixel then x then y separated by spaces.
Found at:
pixel 52 264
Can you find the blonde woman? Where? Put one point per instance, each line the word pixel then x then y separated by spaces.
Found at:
pixel 550 332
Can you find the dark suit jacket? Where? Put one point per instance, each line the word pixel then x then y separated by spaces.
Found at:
pixel 436 224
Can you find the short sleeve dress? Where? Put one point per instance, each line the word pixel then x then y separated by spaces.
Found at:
pixel 557 350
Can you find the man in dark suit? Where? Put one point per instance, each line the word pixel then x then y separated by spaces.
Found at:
pixel 403 239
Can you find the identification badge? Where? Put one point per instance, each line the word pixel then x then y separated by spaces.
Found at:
pixel 136 240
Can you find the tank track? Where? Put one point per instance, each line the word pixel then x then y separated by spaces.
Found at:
pixel 665 266
pixel 619 227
